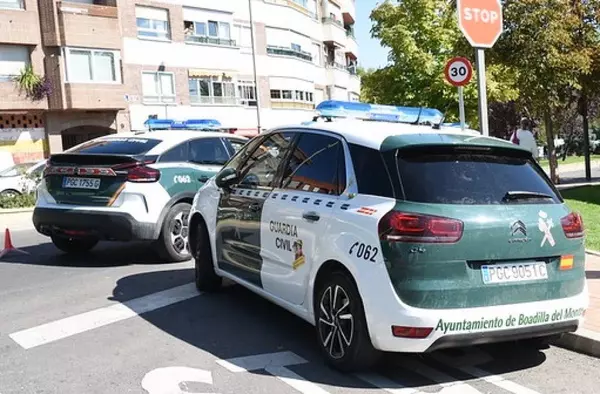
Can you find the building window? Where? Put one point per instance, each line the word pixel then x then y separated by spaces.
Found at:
pixel 152 23
pixel 212 90
pixel 92 65
pixel 158 87
pixel 299 96
pixel 208 32
pixel 13 59
pixel 247 93
pixel 12 4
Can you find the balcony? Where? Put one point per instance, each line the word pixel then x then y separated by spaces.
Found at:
pixel 351 45
pixel 298 5
pixel 19 22
pixel 334 32
pixel 289 52
pixel 205 40
pixel 348 11
pixel 14 100
pixel 215 100
pixel 337 74
pixel 93 96
pixel 83 25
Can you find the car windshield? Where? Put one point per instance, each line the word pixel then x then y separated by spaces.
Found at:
pixel 472 178
pixel 17 169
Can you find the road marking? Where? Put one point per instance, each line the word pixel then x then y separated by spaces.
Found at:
pixel 275 364
pixel 87 321
pixel 168 380
pixel 381 382
pixel 498 381
pixel 449 383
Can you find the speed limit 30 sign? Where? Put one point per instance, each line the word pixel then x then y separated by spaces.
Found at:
pixel 459 71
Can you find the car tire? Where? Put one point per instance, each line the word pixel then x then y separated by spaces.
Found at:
pixel 353 350
pixel 74 245
pixel 205 276
pixel 173 242
pixel 9 193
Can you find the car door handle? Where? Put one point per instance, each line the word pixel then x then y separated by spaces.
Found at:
pixel 255 207
pixel 203 178
pixel 311 216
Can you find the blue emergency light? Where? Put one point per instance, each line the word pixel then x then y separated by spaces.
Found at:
pixel 375 112
pixel 190 124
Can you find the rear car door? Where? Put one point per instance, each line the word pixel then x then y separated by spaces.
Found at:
pixel 239 215
pixel 298 213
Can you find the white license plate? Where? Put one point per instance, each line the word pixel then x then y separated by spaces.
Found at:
pixel 81 183
pixel 514 272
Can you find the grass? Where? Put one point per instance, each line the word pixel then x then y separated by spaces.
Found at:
pixel 570 160
pixel 586 201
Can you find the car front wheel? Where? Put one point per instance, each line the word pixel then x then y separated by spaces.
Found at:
pixel 341 325
pixel 205 277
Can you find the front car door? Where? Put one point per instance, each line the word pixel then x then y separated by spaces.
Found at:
pixel 238 241
pixel 296 216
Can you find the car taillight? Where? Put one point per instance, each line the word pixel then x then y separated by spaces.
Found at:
pixel 139 173
pixel 410 227
pixel 572 225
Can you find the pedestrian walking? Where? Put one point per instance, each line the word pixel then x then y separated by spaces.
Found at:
pixel 524 137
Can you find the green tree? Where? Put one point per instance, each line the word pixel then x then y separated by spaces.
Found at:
pixel 422 35
pixel 540 41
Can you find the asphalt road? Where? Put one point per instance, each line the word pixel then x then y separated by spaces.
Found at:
pixel 118 322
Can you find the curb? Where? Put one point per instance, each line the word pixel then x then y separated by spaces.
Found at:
pixel 8 211
pixel 592 252
pixel 581 341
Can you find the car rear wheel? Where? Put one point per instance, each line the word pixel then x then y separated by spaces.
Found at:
pixel 341 325
pixel 73 245
pixel 205 277
pixel 173 243
pixel 9 193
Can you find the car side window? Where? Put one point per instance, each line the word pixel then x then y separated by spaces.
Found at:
pixel 177 154
pixel 209 151
pixel 315 166
pixel 236 145
pixel 260 170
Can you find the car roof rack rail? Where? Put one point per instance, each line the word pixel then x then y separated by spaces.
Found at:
pixel 332 109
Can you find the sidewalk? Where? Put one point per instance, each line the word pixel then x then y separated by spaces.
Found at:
pixel 587 339
pixel 15 220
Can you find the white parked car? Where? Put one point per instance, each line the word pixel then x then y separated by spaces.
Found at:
pixel 20 178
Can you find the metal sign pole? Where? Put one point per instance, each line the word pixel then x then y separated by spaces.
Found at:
pixel 461 106
pixel 256 87
pixel 481 86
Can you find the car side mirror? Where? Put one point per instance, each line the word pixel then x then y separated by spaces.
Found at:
pixel 226 178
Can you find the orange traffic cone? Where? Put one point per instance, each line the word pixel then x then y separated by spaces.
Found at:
pixel 8 245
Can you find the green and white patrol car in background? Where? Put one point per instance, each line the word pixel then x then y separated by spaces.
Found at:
pixel 131 186
pixel 391 233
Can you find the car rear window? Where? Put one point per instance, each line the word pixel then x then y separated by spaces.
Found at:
pixel 470 178
pixel 118 146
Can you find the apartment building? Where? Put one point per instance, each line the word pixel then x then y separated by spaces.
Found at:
pixel 106 66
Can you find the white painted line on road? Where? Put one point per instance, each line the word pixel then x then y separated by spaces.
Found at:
pixel 77 324
pixel 294 380
pixel 449 383
pixel 381 382
pixel 275 364
pixel 498 381
pixel 261 361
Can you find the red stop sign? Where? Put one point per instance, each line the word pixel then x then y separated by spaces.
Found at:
pixel 480 21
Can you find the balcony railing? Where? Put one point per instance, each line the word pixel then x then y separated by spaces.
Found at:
pixel 215 100
pixel 283 51
pixel 210 40
pixel 352 69
pixel 12 4
pixel 329 19
pixel 350 33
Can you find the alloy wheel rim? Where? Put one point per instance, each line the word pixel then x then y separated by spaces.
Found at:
pixel 180 233
pixel 336 323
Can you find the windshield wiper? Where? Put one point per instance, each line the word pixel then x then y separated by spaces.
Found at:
pixel 520 195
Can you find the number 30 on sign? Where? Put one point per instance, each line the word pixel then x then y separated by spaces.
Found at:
pixel 458 71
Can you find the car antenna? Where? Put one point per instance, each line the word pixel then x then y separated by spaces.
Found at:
pixel 416 122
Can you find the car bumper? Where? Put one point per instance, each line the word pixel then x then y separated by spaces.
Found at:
pixel 110 226
pixel 475 326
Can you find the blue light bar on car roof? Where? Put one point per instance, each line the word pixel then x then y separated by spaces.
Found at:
pixel 190 124
pixel 385 113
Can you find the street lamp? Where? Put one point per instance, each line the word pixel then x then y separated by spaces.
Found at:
pixel 256 90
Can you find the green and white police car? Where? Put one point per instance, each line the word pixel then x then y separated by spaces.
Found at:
pixel 390 233
pixel 131 186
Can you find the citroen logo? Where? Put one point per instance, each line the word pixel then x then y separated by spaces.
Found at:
pixel 518 232
pixel 519 227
